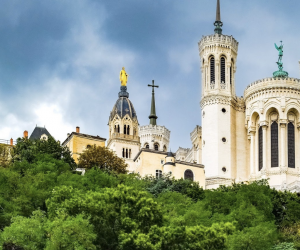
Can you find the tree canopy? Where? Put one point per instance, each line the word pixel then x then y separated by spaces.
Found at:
pixel 44 204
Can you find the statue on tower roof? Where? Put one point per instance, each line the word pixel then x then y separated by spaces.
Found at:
pixel 280 73
pixel 123 77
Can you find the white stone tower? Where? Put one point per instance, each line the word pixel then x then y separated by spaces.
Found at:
pixel 219 104
pixel 154 136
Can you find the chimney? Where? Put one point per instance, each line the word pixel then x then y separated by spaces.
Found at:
pixel 77 129
pixel 25 134
pixel 11 142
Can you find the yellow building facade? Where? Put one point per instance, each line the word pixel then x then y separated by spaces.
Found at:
pixel 156 163
pixel 78 142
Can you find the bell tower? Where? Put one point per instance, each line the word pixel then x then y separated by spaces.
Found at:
pixel 218 55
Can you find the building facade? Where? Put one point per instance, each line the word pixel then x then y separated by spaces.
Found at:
pixel 252 137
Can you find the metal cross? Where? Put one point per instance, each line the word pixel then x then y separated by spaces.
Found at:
pixel 153 86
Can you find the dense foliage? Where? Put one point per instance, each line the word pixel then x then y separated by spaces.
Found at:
pixel 44 204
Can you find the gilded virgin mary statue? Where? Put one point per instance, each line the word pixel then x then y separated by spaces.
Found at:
pixel 123 77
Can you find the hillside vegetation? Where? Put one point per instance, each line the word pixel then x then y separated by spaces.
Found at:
pixel 45 204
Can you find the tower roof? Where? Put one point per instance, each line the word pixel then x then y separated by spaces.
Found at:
pixel 152 115
pixel 38 132
pixel 218 23
pixel 123 106
pixel 218 14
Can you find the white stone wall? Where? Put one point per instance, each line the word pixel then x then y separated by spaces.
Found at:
pixel 274 100
pixel 151 135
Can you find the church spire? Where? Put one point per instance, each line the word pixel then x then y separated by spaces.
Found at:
pixel 218 23
pixel 152 115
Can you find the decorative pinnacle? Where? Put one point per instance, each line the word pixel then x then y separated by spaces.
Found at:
pixel 218 23
pixel 152 115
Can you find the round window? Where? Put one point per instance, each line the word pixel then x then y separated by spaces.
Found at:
pixel 223 139
pixel 223 110
pixel 224 169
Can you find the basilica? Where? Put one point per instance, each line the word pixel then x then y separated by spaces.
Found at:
pixel 242 139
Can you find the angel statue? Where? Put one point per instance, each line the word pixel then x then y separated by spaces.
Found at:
pixel 123 77
pixel 280 50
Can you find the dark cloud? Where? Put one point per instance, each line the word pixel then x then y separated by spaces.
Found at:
pixel 60 60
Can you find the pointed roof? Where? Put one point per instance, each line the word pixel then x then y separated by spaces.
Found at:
pixel 218 23
pixel 218 14
pixel 152 115
pixel 38 132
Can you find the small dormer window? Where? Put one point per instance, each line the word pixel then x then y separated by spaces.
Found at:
pixel 44 137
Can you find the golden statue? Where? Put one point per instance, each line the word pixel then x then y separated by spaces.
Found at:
pixel 123 77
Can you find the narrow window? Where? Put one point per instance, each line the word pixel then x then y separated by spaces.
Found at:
pixel 274 145
pixel 123 153
pixel 129 153
pixel 126 153
pixel 118 128
pixel 158 174
pixel 165 148
pixel 291 145
pixel 231 74
pixel 188 175
pixel 124 130
pixel 212 69
pixel 222 70
pixel 115 130
pixel 156 146
pixel 128 130
pixel 260 148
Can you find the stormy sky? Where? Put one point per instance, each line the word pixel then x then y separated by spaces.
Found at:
pixel 60 60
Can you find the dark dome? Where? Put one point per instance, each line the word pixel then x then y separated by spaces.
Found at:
pixel 123 107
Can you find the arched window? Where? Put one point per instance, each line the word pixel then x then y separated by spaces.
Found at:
pixel 118 128
pixel 126 153
pixel 123 153
pixel 274 144
pixel 165 148
pixel 188 175
pixel 156 146
pixel 147 145
pixel 260 149
pixel 222 71
pixel 158 174
pixel 124 130
pixel 212 70
pixel 128 130
pixel 231 69
pixel 115 130
pixel 129 153
pixel 291 145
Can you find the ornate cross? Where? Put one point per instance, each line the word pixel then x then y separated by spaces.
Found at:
pixel 153 86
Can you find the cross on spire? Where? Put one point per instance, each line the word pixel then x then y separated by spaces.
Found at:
pixel 152 115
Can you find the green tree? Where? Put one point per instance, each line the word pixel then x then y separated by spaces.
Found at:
pixel 5 155
pixel 103 158
pixel 30 150
pixel 25 233
pixel 112 211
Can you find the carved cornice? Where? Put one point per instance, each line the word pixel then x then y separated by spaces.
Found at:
pixel 217 40
pixel 272 87
pixel 237 103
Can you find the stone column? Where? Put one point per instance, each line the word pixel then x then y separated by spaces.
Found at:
pixel 297 142
pixel 252 151
pixel 207 83
pixel 283 143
